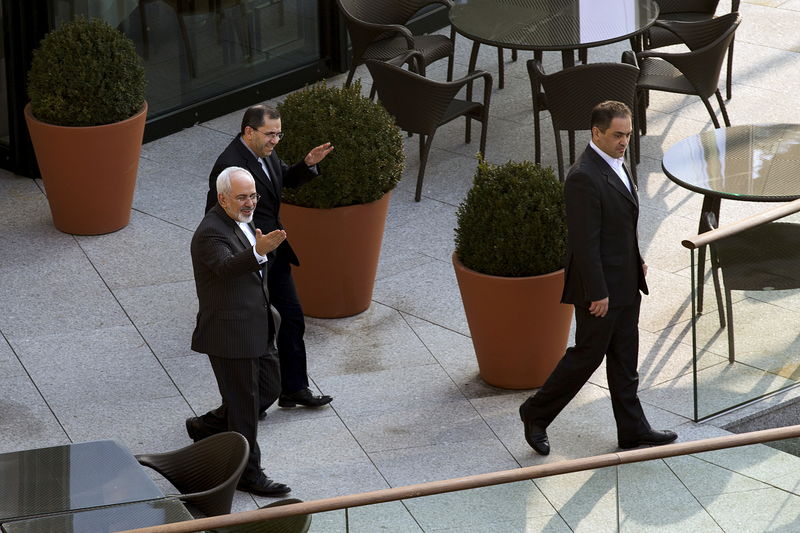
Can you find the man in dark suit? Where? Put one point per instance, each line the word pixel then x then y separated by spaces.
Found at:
pixel 254 149
pixel 604 276
pixel 236 324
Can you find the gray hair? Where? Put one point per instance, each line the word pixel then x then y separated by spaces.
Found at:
pixel 224 179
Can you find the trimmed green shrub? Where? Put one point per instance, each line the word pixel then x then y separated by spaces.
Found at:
pixel 367 160
pixel 85 73
pixel 513 221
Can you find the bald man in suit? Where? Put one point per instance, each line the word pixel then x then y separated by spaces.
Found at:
pixel 604 279
pixel 236 325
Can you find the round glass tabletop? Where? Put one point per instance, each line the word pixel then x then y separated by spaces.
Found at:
pixel 759 163
pixel 551 24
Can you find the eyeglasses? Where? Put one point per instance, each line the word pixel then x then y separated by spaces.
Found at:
pixel 271 135
pixel 242 198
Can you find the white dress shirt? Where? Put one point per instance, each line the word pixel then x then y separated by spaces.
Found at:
pixel 615 163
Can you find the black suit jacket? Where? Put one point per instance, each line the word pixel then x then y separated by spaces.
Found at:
pixel 603 258
pixel 235 318
pixel 267 213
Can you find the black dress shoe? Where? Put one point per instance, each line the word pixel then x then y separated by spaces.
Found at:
pixel 262 415
pixel 263 486
pixel 536 436
pixel 196 429
pixel 654 438
pixel 305 398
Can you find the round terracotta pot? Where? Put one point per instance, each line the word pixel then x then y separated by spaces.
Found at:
pixel 519 326
pixel 89 173
pixel 339 250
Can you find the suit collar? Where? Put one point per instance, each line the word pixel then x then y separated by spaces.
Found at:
pixel 254 165
pixel 612 178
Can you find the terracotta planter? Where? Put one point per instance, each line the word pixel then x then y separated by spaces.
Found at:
pixel 339 250
pixel 519 327
pixel 89 173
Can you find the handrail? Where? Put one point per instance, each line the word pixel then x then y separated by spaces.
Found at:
pixel 476 481
pixel 740 225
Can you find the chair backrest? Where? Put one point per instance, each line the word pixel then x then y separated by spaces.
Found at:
pixel 206 473
pixel 669 7
pixel 418 104
pixel 708 41
pixel 572 93
pixel 359 14
pixel 287 524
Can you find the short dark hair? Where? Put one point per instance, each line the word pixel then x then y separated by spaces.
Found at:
pixel 604 112
pixel 255 115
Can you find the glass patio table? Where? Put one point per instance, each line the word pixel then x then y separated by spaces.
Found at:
pixel 755 163
pixel 71 477
pixel 550 25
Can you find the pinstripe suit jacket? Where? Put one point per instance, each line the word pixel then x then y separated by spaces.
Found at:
pixel 235 318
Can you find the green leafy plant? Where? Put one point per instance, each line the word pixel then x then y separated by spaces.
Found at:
pixel 85 73
pixel 367 160
pixel 513 221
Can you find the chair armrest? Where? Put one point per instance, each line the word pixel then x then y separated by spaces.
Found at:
pixel 472 76
pixel 389 28
pixel 734 5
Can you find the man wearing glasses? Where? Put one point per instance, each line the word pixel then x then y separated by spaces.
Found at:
pixel 254 149
pixel 236 324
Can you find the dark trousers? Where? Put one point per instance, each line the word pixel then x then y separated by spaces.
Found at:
pixel 615 336
pixel 291 348
pixel 247 386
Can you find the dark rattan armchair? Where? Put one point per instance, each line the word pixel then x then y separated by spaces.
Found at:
pixel 206 472
pixel 571 94
pixel 287 524
pixel 421 105
pixel 694 72
pixel 377 31
pixel 687 11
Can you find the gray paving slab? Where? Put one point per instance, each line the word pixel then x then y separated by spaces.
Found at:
pixel 439 423
pixel 26 420
pixel 483 509
pixel 164 314
pixel 367 392
pixel 442 461
pixel 377 339
pixel 391 517
pixel 147 252
pixel 428 292
pixel 191 151
pixel 106 366
pixel 586 501
pixel 170 195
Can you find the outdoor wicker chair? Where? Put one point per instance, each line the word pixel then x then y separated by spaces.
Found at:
pixel 572 93
pixel 694 72
pixel 687 11
pixel 206 472
pixel 421 105
pixel 377 31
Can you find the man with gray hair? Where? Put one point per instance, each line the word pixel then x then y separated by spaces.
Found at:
pixel 236 324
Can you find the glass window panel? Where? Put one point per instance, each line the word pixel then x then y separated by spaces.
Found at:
pixel 746 338
pixel 197 49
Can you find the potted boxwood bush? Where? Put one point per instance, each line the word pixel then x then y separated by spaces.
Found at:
pixel 509 258
pixel 336 221
pixel 86 119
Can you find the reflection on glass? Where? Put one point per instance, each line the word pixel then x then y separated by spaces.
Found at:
pixel 196 49
pixel 747 339
pixel 4 133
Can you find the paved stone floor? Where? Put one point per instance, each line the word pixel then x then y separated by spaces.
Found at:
pixel 94 335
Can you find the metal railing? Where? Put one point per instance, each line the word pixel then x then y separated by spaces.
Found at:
pixel 477 481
